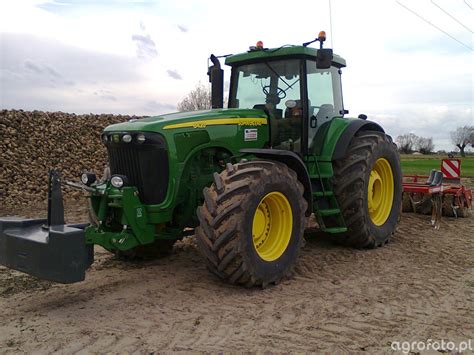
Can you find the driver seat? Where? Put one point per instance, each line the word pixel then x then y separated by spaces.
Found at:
pixel 294 112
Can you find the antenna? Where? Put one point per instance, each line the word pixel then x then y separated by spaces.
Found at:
pixel 330 24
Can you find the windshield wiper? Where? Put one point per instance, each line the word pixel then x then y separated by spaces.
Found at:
pixel 280 77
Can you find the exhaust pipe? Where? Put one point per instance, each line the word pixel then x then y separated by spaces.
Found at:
pixel 216 78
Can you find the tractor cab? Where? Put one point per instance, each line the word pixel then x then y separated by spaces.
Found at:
pixel 298 87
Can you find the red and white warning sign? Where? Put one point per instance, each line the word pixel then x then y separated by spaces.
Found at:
pixel 451 168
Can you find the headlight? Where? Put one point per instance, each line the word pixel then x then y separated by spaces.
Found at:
pixel 88 178
pixel 104 139
pixel 141 138
pixel 127 138
pixel 116 181
pixel 119 181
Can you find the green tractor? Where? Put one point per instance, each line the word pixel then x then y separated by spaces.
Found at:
pixel 244 180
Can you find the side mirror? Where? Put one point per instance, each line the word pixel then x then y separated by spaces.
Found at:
pixel 324 58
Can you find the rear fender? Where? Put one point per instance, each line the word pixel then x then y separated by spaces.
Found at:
pixel 349 132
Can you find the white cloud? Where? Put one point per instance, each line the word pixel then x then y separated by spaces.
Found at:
pixel 174 74
pixel 146 47
pixel 48 75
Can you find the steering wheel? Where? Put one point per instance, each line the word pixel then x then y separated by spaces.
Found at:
pixel 281 94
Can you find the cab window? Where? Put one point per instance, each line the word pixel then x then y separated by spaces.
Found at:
pixel 276 87
pixel 324 98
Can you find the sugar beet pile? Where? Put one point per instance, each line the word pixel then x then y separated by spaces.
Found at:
pixel 33 142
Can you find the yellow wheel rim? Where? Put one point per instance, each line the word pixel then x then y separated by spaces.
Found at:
pixel 380 191
pixel 272 226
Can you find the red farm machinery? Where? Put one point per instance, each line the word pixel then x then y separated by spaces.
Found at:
pixel 439 193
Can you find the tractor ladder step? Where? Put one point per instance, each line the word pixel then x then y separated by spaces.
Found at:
pixel 329 212
pixel 323 193
pixel 325 206
pixel 335 230
pixel 321 176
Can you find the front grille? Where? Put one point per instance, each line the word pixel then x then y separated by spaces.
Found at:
pixel 144 164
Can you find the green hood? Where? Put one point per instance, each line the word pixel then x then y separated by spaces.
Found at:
pixel 157 123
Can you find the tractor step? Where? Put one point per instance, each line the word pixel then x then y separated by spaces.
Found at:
pixel 322 176
pixel 329 212
pixel 325 205
pixel 323 193
pixel 335 230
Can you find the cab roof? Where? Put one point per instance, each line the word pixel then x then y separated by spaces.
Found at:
pixel 278 53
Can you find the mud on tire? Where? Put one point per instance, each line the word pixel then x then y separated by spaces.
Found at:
pixel 351 177
pixel 224 236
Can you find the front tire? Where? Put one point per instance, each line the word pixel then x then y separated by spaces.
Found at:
pixel 252 223
pixel 368 187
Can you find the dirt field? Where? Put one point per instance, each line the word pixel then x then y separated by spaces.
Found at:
pixel 419 287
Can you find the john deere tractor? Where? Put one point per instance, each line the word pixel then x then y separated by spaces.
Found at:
pixel 242 179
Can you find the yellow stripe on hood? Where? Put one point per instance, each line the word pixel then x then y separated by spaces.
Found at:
pixel 220 121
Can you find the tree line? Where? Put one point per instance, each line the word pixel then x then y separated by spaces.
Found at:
pixel 410 142
pixel 461 138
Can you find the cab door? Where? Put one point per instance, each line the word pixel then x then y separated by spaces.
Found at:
pixel 324 102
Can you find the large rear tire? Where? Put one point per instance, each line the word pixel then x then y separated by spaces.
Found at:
pixel 368 187
pixel 252 223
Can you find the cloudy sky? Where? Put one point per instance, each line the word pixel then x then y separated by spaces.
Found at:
pixel 410 63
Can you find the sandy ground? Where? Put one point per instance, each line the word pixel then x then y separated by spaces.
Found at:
pixel 420 286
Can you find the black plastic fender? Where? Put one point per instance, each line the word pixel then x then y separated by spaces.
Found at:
pixel 294 162
pixel 345 139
